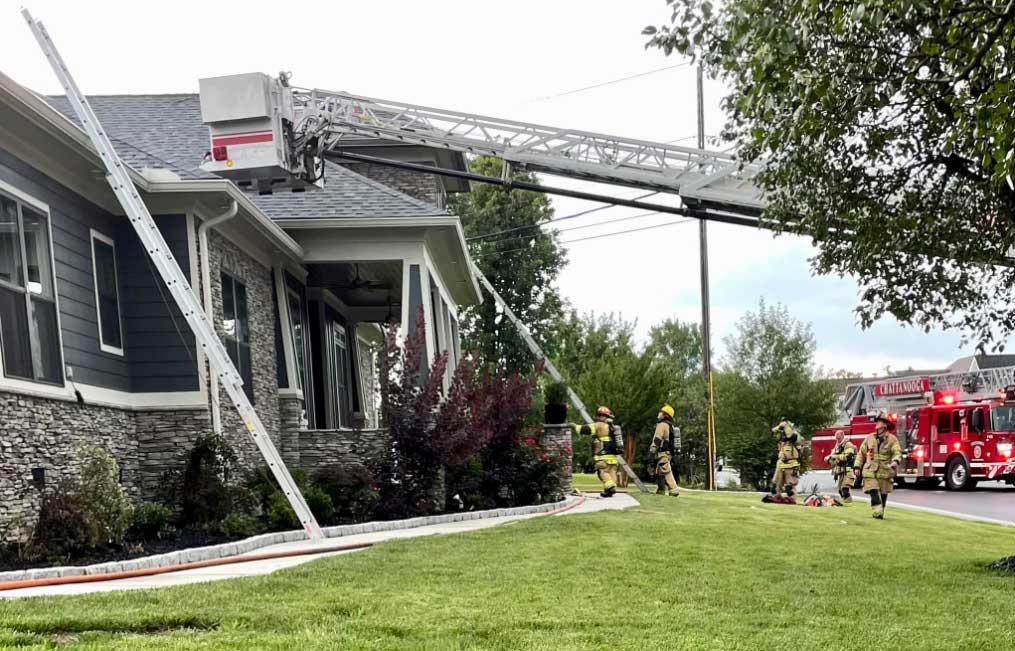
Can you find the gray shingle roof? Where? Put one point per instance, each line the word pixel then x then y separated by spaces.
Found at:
pixel 166 131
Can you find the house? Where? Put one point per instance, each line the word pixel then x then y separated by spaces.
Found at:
pixel 299 287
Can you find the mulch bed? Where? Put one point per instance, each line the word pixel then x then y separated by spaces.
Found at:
pixel 1003 565
pixel 183 540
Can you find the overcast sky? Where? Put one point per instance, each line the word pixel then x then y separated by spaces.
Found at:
pixel 510 60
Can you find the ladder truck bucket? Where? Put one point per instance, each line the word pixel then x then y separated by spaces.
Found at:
pixel 250 120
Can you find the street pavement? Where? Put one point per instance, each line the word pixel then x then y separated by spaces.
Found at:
pixel 995 500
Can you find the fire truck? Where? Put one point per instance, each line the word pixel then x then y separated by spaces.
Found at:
pixel 953 436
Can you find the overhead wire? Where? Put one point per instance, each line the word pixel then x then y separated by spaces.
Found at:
pixel 610 82
pixel 596 237
pixel 553 220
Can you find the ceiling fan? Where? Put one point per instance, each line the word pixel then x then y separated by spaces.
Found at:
pixel 362 283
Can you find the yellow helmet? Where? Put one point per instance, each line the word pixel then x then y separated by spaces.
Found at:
pixel 668 410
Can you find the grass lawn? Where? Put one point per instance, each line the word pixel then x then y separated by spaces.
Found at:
pixel 697 572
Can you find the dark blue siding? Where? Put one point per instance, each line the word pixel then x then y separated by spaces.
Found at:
pixel 156 357
pixel 71 217
pixel 159 342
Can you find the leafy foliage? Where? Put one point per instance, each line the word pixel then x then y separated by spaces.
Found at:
pixel 522 265
pixel 352 491
pixel 241 525
pixel 151 521
pixel 769 374
pixel 64 529
pixel 410 396
pixel 202 490
pixel 106 504
pixel 888 130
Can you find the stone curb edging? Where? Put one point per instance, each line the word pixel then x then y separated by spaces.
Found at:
pixel 264 540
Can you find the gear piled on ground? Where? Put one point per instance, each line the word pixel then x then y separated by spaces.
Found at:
pixel 778 499
pixel 1006 565
pixel 815 499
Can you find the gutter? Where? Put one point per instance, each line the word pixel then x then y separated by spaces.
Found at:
pixel 264 224
pixel 209 310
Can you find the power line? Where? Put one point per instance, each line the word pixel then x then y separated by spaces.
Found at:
pixel 554 220
pixel 596 237
pixel 509 238
pixel 607 83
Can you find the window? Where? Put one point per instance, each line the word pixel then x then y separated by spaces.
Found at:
pixel 237 329
pixel 299 340
pixel 944 422
pixel 107 293
pixel 29 336
pixel 339 361
pixel 956 422
pixel 1003 419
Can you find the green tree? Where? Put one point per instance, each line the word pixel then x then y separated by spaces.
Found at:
pixel 887 128
pixel 676 348
pixel 601 361
pixel 768 375
pixel 520 259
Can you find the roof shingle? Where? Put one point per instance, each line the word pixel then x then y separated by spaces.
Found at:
pixel 166 131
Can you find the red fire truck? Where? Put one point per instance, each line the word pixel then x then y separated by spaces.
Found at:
pixel 960 441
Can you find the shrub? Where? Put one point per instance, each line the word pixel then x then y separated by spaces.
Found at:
pixel 261 484
pixel 150 521
pixel 202 490
pixel 64 529
pixel 281 516
pixel 105 502
pixel 351 489
pixel 241 525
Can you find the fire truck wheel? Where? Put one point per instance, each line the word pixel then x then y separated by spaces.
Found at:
pixel 957 476
pixel 900 482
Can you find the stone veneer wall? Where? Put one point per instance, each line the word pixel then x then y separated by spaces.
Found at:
pixel 321 449
pixel 46 433
pixel 163 440
pixel 225 256
pixel 557 438
pixel 425 187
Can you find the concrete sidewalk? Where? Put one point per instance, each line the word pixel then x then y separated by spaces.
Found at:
pixel 591 504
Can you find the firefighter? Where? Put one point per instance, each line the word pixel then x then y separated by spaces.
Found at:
pixel 841 461
pixel 878 460
pixel 787 468
pixel 665 446
pixel 607 443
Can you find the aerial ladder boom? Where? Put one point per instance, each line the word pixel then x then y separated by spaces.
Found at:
pixel 176 282
pixel 300 127
pixel 548 365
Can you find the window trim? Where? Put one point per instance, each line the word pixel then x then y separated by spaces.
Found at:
pixel 105 239
pixel 42 207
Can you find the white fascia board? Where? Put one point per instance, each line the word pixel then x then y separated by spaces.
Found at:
pixel 48 118
pixel 262 222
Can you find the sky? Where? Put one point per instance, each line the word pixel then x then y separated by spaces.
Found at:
pixel 517 60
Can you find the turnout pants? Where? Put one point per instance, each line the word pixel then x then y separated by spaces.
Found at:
pixel 666 484
pixel 785 479
pixel 607 473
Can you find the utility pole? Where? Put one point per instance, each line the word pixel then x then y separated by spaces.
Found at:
pixel 706 329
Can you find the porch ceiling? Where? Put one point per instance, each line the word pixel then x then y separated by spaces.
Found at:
pixel 379 283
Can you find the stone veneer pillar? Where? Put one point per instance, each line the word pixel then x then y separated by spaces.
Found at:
pixel 557 440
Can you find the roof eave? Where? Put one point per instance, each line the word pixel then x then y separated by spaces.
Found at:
pixel 266 226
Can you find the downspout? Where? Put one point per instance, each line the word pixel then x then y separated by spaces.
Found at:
pixel 209 310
